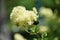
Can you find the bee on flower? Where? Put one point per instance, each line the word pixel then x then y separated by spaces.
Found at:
pixel 22 17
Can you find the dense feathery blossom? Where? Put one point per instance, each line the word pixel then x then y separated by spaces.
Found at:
pixel 23 17
pixel 47 12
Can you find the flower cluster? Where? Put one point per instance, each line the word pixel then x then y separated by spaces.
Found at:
pixel 23 17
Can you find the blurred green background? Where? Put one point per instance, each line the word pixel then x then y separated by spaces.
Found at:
pixel 53 24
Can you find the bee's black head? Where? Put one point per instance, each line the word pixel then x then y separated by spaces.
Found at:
pixel 36 22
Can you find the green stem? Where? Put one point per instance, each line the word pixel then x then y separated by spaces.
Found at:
pixel 44 36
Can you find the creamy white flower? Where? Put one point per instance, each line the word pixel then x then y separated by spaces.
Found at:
pixel 23 17
pixel 17 13
pixel 18 37
pixel 47 12
pixel 43 29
